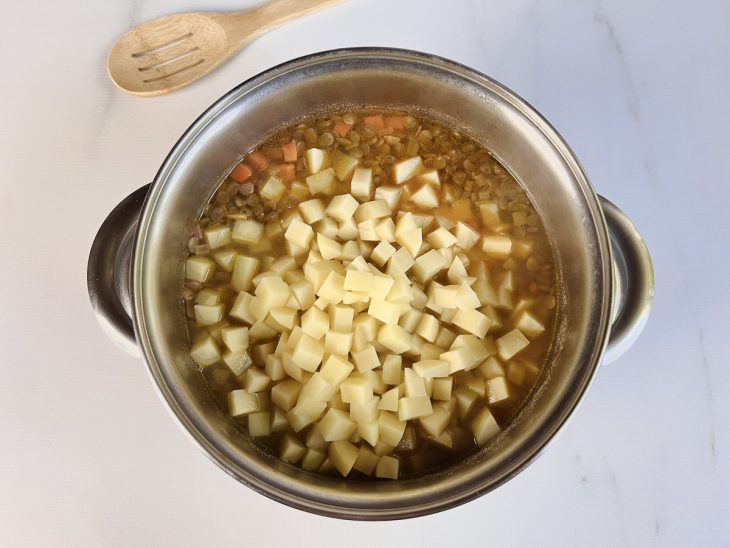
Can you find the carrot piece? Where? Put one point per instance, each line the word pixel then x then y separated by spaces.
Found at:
pixel 290 152
pixel 375 122
pixel 342 129
pixel 286 173
pixel 241 173
pixel 395 122
pixel 258 159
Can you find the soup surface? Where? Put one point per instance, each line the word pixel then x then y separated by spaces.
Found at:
pixel 370 295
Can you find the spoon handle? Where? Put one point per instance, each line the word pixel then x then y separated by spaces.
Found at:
pixel 244 26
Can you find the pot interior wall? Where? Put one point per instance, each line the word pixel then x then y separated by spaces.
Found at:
pixel 465 101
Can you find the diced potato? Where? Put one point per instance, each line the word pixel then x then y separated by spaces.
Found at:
pixel 285 394
pixel 392 369
pixel 291 449
pixel 199 269
pixel 400 262
pixel 256 380
pixel 343 455
pixel 465 235
pixel 286 317
pixel 414 385
pixel 445 296
pixel 342 207
pixel 460 359
pixel 366 461
pixel 441 238
pixel 436 422
pixel 411 241
pixel 389 400
pixel 391 428
pixel 218 236
pixel 414 407
pixel 308 353
pixel 406 170
pixel 312 210
pixel 272 292
pixel 299 422
pixel 336 425
pixel 208 314
pixel 472 321
pixel 376 209
pixel 484 426
pixel 430 176
pixel 365 412
pixel 350 250
pixel 337 343
pixel 510 344
pixel 400 292
pixel 332 289
pixel 322 182
pixel 382 252
pixel 465 401
pixel 387 467
pixel 316 160
pixel 272 189
pixel 341 317
pixel 409 321
pixel 329 248
pixel 259 424
pixel 369 431
pixel 242 402
pixel 336 369
pixel 520 371
pixel 274 368
pixel 380 287
pixel 356 280
pixel 441 389
pixel 490 213
pixel 225 259
pixel 428 327
pixel 366 358
pixel 361 185
pixel 394 338
pixel 497 246
pixel 235 338
pixel 304 293
pixel 385 230
pixel 497 390
pixel 529 325
pixel 313 459
pixel 389 194
pixel 205 352
pixel 299 233
pixel 247 231
pixel 343 165
pixel 310 409
pixel 385 311
pixel 425 197
pixel 427 266
pixel 446 337
pixel 279 422
pixel 431 368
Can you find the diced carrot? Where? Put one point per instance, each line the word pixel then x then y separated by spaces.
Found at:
pixel 395 122
pixel 342 129
pixel 286 173
pixel 241 173
pixel 290 152
pixel 258 159
pixel 375 122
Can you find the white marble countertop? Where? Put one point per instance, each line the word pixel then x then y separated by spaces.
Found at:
pixel 90 457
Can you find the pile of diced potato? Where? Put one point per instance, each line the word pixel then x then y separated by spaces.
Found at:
pixel 349 338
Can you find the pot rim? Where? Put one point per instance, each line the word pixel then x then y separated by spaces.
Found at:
pixel 361 507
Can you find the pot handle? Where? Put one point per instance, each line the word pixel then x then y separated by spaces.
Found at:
pixel 108 273
pixel 633 281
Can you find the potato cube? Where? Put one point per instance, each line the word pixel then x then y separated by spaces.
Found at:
pixel 242 402
pixel 336 369
pixel 247 231
pixel 208 314
pixel 414 407
pixel 414 385
pixel 406 222
pixel 365 412
pixel 312 211
pixel 366 358
pixel 377 209
pixel 332 289
pixel 490 213
pixel 274 368
pixel 341 317
pixel 409 320
pixel 382 252
pixel 199 269
pixel 241 308
pixel 225 259
pixel 366 461
pixel 256 380
pixel 366 326
pixel 380 287
pixel 497 246
pixel 329 248
pixel 445 296
pixel 425 197
pixel 291 449
pixel 428 327
pixel 436 422
pixel 343 165
pixel 389 400
pixel 337 343
pixel 389 194
pixel 308 353
pixel 465 235
pixel 385 311
pixel 205 352
pixel 336 425
pixel 285 394
pixel 361 185
pixel 400 262
pixel 316 160
pixel 529 325
pixel 342 207
pixel 392 369
pixel 472 321
pixel 497 390
pixel 442 388
pixel 491 368
pixel 411 241
pixel 406 170
pixel 272 189
pixel 369 431
pixel 286 317
pixel 310 409
pixel 358 281
pixel 460 359
pixel 441 238
pixel 394 338
pixel 235 338
pixel 484 426
pixel 259 424
pixel 387 467
pixel 272 292
pixel 510 344
pixel 303 292
pixel 430 176
pixel 313 459
pixel 218 236
pixel 343 455
pixel 400 292
pixel 391 428
pixel 322 182
pixel 519 372
pixel 431 368
pixel 299 233
pixel 427 266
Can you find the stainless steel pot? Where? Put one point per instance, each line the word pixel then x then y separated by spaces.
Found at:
pixel 135 269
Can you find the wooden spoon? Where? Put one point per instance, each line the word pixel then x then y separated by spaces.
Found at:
pixel 168 53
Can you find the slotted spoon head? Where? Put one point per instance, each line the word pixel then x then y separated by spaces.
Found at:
pixel 168 53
